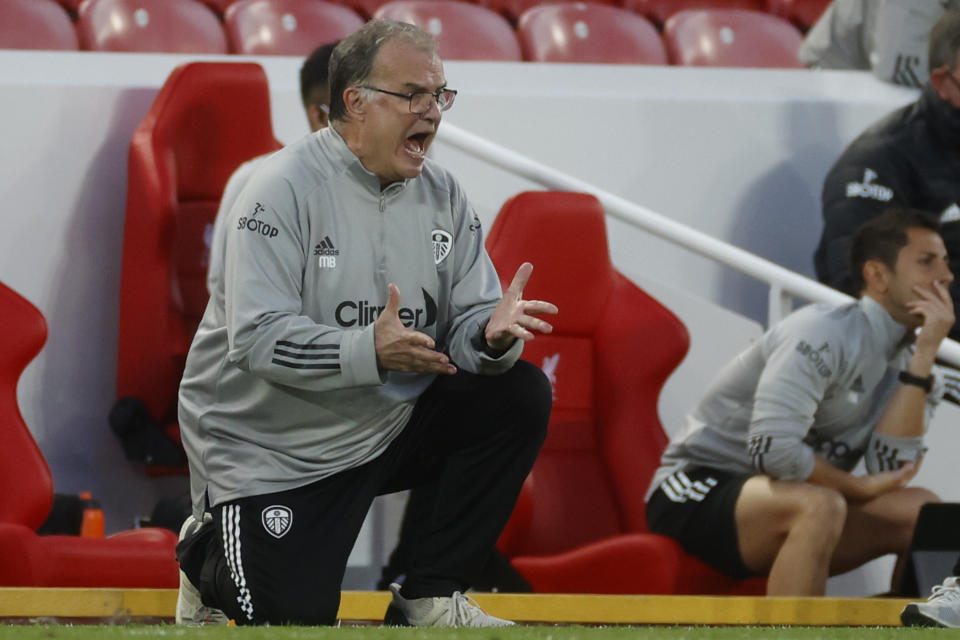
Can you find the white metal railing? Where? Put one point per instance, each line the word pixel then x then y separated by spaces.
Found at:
pixel 784 285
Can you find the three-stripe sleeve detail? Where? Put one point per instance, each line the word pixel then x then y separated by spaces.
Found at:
pixel 306 356
pixel 759 445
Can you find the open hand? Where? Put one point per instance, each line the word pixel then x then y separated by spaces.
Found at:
pixel 402 349
pixel 512 319
pixel 877 484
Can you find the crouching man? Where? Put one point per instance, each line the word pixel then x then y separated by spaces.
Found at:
pixel 358 343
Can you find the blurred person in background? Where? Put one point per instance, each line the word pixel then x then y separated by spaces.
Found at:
pixel 910 158
pixel 887 37
pixel 315 95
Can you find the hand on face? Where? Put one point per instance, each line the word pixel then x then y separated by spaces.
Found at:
pixel 402 349
pixel 935 308
pixel 512 319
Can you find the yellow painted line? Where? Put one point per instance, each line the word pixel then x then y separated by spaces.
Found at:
pixel 86 603
pixel 708 610
pixel 590 609
pixel 363 605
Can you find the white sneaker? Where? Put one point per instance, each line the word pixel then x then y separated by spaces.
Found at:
pixel 456 611
pixel 190 608
pixel 942 608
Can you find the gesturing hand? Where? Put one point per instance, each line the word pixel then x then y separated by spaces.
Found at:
pixel 401 349
pixel 511 318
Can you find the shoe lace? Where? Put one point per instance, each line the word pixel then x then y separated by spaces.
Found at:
pixel 948 591
pixel 462 610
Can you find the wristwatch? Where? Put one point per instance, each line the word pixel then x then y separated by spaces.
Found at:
pixel 924 383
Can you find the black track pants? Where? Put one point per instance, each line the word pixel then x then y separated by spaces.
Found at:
pixel 470 443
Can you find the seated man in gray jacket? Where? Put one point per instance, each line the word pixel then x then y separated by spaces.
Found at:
pixel 761 482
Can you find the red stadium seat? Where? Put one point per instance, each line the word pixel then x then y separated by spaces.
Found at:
pixel 513 9
pixel 731 38
pixel 465 31
pixel 169 26
pixel 586 32
pixel 580 524
pixel 219 6
pixel 286 27
pixel 72 6
pixel 134 559
pixel 36 24
pixel 181 156
pixel 657 11
pixel 366 8
pixel 803 13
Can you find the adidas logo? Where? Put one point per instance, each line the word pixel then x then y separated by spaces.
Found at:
pixel 325 248
pixel 327 253
pixel 857 385
pixel 950 214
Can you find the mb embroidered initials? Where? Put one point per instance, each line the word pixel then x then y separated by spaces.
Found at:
pixel 327 253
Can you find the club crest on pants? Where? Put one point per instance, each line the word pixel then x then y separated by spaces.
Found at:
pixel 277 520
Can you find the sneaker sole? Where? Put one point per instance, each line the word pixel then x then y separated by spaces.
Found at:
pixel 911 617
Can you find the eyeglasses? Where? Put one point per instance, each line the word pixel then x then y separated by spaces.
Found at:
pixel 421 101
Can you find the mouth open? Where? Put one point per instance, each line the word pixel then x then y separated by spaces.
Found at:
pixel 416 145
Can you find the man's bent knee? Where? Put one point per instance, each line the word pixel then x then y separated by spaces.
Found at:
pixel 308 608
pixel 529 386
pixel 824 505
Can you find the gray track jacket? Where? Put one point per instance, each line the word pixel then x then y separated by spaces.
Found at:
pixel 817 382
pixel 281 386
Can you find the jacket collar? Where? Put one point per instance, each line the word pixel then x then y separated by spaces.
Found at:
pixel 353 167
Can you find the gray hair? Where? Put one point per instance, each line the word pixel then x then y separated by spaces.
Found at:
pixel 945 41
pixel 352 60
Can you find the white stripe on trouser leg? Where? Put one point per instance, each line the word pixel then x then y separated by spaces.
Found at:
pixel 247 602
pixel 672 491
pixel 231 548
pixel 699 491
pixel 679 488
pixel 690 488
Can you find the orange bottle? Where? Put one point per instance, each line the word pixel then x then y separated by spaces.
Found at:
pixel 92 525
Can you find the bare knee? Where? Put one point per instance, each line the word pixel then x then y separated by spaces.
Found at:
pixel 823 509
pixel 921 496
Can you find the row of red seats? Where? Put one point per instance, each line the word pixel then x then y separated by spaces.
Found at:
pixel 803 13
pixel 561 32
